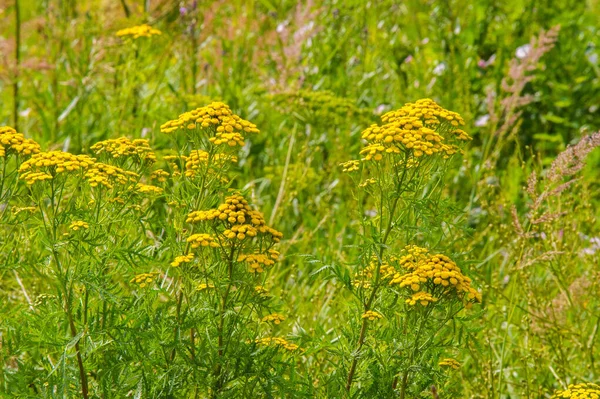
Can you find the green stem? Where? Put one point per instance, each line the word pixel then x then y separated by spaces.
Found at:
pixel 126 9
pixel 2 177
pixel 72 328
pixel 369 303
pixel 218 378
pixel 179 302
pixel 180 298
pixel 17 64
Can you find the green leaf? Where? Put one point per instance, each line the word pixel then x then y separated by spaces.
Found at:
pixel 548 137
pixel 555 119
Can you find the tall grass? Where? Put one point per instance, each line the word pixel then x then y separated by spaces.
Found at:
pixel 516 212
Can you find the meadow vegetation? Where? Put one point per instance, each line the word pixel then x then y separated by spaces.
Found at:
pixel 299 199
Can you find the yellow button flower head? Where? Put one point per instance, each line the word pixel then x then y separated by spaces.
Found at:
pixel 350 166
pixel 202 240
pixel 148 189
pixel 273 254
pixel 427 111
pixel 159 175
pixel 579 391
pixel 101 174
pixel 449 362
pixel 79 224
pixel 13 142
pixel 48 165
pixel 237 220
pixel 432 274
pixel 366 277
pixel 204 286
pixel 372 315
pixel 201 162
pixel 417 129
pixel 123 148
pixel 424 298
pixel 215 119
pixel 174 161
pixel 260 290
pixel 277 342
pixel 367 183
pixel 15 210
pixel 182 259
pixel 257 262
pixel 144 279
pixel 139 31
pixel 274 318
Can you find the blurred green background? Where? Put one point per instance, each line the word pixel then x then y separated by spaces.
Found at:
pixel 312 75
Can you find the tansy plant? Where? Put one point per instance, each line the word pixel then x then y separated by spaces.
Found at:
pixel 406 293
pixel 579 391
pixel 225 325
pixel 136 68
pixel 80 209
pixel 159 244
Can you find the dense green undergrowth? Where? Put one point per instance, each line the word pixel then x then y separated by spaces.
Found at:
pixel 248 199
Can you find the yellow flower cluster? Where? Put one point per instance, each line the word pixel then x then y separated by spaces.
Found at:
pixel 227 127
pixel 462 135
pixel 409 164
pixel 202 240
pixel 275 318
pixel 235 214
pixel 424 298
pixel 15 210
pixel 367 183
pixel 46 165
pixel 148 189
pixel 437 274
pixel 404 135
pixel 277 342
pixel 260 290
pixel 204 286
pixel 414 253
pixel 11 141
pixel 364 278
pixel 579 391
pixel 176 204
pixel 200 159
pixel 139 31
pixel 159 175
pixel 182 259
pixel 452 363
pixel 372 315
pixel 138 149
pixel 172 161
pixel 257 262
pixel 428 111
pixel 350 166
pixel 415 129
pixel 78 224
pixel 103 174
pixel 144 279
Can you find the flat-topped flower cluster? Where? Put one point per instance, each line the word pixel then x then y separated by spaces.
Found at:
pixel 138 31
pixel 13 142
pixel 432 277
pixel 217 120
pixel 579 391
